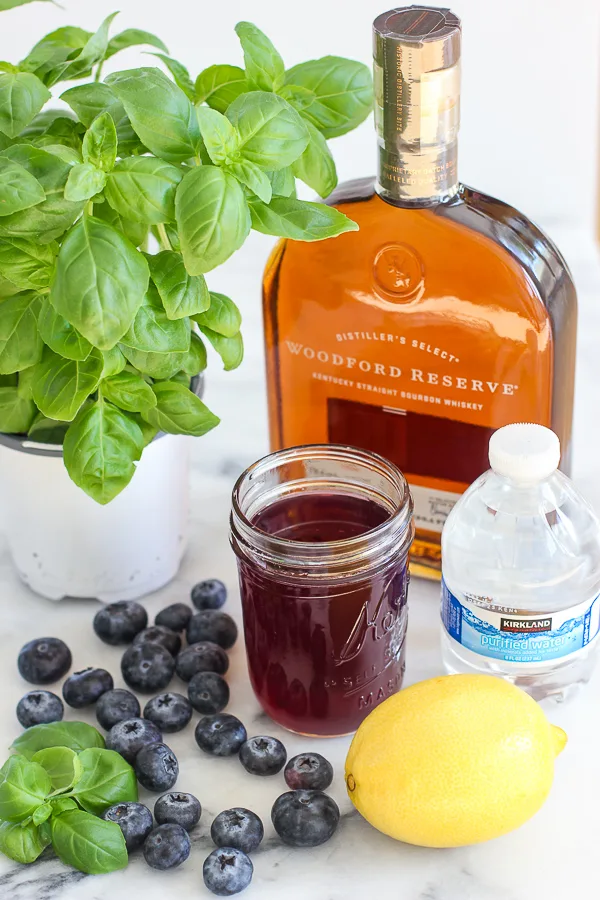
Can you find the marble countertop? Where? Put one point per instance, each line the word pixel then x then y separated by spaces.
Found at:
pixel 547 859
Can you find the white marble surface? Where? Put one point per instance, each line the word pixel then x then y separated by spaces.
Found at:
pixel 551 857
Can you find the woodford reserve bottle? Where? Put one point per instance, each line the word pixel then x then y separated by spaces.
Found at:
pixel 446 316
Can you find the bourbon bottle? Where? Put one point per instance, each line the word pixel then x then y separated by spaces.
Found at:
pixel 447 315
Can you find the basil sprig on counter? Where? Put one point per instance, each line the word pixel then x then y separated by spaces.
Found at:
pixel 99 337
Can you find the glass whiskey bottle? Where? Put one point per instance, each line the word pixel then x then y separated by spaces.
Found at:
pixel 447 315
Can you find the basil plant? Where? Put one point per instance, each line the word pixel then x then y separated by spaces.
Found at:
pixel 100 339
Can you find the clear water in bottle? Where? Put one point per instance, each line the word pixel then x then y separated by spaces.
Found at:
pixel 521 570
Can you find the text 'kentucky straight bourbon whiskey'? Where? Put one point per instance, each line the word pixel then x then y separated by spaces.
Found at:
pixel 448 315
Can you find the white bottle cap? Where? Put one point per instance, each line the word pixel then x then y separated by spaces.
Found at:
pixel 524 452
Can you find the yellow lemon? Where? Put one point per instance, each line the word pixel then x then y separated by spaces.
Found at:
pixel 452 761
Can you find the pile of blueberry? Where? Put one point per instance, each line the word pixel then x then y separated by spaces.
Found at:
pixel 303 817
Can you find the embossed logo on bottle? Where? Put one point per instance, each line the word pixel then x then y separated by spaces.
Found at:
pixel 398 271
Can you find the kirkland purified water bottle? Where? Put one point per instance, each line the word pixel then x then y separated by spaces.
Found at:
pixel 521 570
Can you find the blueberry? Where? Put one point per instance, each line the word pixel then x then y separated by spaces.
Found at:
pixel 156 767
pixel 116 706
pixel 263 755
pixel 201 657
pixel 308 771
pixel 39 708
pixel 134 820
pixel 128 737
pixel 171 712
pixel 85 687
pixel 209 594
pixel 305 818
pixel 212 625
pixel 44 660
pixel 167 847
pixel 227 871
pixel 239 828
pixel 208 693
pixel 174 617
pixel 178 809
pixel 158 634
pixel 220 735
pixel 147 667
pixel 118 623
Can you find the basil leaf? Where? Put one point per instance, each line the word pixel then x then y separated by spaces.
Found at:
pixel 100 143
pixel 212 218
pixel 160 113
pixel 298 97
pixel 10 4
pixel 24 786
pixel 46 431
pixel 133 37
pixel 152 331
pixel 129 391
pixel 136 232
pixel 222 316
pixel 218 134
pixel 91 100
pixel 299 220
pixel 265 70
pixel 271 133
pixel 62 804
pixel 253 178
pixel 156 365
pixel 142 188
pixel 230 349
pixel 195 361
pixel 100 282
pixel 23 843
pixel 27 265
pixel 173 237
pixel 114 362
pixel 179 411
pixel 220 85
pixel 51 54
pixel 84 182
pixel 182 294
pixel 60 335
pixel 93 52
pixel 22 95
pixel 180 75
pixel 344 93
pixel 6 288
pixel 18 188
pixel 63 385
pixel 87 843
pixel 67 154
pixel 283 182
pixel 62 764
pixel 26 379
pixel 20 344
pixel 316 166
pixel 16 413
pixel 75 735
pixel 106 779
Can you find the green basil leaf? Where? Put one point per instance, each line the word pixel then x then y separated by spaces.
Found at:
pixel 133 37
pixel 156 365
pixel 40 124
pixel 283 182
pixel 220 85
pixel 195 361
pixel 60 335
pixel 160 113
pixel 84 182
pixel 26 379
pixel 100 450
pixel 100 143
pixel 180 75
pixel 212 218
pixel 271 133
pixel 94 51
pixel 253 178
pixel 179 411
pixel 136 232
pixel 230 349
pixel 18 188
pixel 62 764
pixel 91 100
pixel 6 288
pixel 142 189
pixel 46 431
pixel 16 413
pixel 10 4
pixel 114 362
pixel 129 391
pixel 182 377
pixel 51 54
pixel 22 95
pixel 344 93
pixel 173 236
pixel 219 135
pixel 87 843
pixel 100 282
pixel 20 344
pixel 106 779
pixel 222 316
pixel 316 166
pixel 62 385
pixel 59 130
pixel 62 804
pixel 67 154
pixel 182 295
pixel 298 97
pixel 75 735
pixel 23 843
pixel 24 785
pixel 265 70
pixel 28 265
pixel 41 814
pixel 299 220
pixel 153 332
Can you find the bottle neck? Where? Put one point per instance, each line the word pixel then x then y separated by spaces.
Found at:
pixel 418 178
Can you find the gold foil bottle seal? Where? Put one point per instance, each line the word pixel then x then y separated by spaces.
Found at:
pixel 416 53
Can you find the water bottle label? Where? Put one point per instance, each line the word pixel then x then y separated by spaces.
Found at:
pixel 506 634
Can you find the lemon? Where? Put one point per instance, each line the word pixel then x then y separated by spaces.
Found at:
pixel 452 761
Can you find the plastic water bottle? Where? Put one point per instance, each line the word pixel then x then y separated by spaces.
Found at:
pixel 521 570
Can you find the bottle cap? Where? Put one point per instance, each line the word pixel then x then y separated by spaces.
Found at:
pixel 524 452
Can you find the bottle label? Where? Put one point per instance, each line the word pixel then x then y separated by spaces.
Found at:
pixel 501 632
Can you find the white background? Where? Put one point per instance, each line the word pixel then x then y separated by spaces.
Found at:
pixel 530 109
